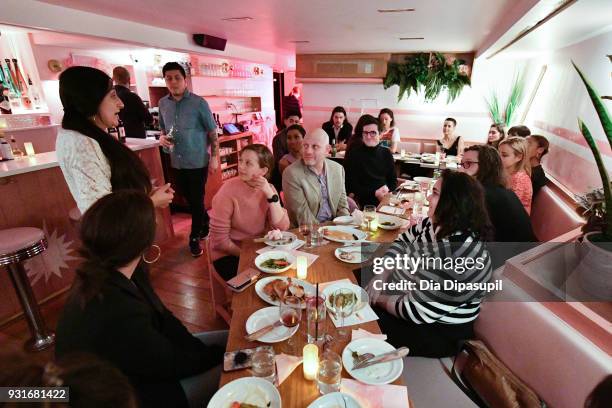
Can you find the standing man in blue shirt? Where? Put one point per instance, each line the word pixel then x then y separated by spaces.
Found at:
pixel 188 128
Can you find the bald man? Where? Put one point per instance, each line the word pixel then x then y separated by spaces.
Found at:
pixel 314 186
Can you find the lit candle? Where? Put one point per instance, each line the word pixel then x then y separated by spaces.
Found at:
pixel 311 361
pixel 374 224
pixel 29 148
pixel 302 267
pixel 402 152
pixel 437 160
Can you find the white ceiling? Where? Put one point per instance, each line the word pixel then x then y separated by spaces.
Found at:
pixel 329 25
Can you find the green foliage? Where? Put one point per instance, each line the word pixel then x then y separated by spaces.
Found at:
pixel 418 74
pixel 606 123
pixel 505 115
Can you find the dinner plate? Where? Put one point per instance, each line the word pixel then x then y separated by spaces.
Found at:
pixel 264 317
pixel 335 400
pixel 309 289
pixel 274 255
pixel 247 390
pixel 288 239
pixel 352 254
pixel 389 222
pixel 344 220
pixel 377 374
pixel 356 234
pixel 362 295
pixel 422 179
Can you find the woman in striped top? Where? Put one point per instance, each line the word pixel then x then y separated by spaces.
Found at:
pixel 447 246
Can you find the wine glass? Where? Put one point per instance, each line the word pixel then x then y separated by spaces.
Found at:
pixel 369 214
pixel 171 137
pixel 343 302
pixel 305 230
pixel 290 316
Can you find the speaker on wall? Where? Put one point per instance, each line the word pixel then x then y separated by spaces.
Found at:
pixel 209 41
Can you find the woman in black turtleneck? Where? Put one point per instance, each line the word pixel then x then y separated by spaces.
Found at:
pixel 370 170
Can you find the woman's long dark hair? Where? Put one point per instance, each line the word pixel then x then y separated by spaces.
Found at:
pixel 82 89
pixel 388 112
pixel 115 230
pixel 502 135
pixel 357 138
pixel 338 109
pixel 461 207
pixel 490 168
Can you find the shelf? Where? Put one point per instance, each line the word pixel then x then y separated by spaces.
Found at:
pixel 228 154
pixel 230 166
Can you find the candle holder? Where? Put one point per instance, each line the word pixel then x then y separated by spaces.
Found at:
pixel 302 267
pixel 311 361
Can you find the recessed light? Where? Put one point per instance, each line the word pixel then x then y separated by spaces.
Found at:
pixel 404 10
pixel 411 38
pixel 237 19
pixel 299 41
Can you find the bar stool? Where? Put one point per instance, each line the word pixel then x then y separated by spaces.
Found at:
pixel 16 246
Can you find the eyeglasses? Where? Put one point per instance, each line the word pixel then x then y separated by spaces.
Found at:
pixel 372 133
pixel 467 164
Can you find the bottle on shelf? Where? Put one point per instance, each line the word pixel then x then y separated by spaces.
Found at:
pixel 334 149
pixel 34 95
pixel 114 132
pixel 121 131
pixel 5 150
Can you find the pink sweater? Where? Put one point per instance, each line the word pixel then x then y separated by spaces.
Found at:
pixel 239 212
pixel 520 183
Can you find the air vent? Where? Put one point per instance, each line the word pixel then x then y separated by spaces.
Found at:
pixel 235 19
pixel 341 65
pixel 404 10
pixel 411 38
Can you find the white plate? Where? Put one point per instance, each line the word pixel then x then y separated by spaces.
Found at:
pixel 377 374
pixel 344 220
pixel 335 400
pixel 422 179
pixel 354 250
pixel 353 231
pixel 397 222
pixel 288 239
pixel 274 255
pixel 264 317
pixel 259 288
pixel 362 295
pixel 248 390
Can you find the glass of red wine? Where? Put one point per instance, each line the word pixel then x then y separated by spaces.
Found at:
pixel 290 316
pixel 305 230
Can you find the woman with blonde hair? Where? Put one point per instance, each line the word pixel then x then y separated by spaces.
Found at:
pixel 513 152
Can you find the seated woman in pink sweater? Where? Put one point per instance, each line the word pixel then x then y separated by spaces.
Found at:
pixel 245 207
pixel 513 152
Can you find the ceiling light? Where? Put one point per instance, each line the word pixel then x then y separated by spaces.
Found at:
pixel 299 41
pixel 411 38
pixel 237 19
pixel 395 10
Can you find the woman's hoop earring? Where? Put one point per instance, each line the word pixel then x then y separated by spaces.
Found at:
pixel 150 261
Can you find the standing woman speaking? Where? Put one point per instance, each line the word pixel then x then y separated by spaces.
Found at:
pixel 93 162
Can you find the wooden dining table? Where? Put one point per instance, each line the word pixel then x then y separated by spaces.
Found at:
pixel 296 391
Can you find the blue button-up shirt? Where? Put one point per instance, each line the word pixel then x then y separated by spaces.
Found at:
pixel 192 120
pixel 325 210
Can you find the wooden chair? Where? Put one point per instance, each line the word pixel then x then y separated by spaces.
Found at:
pixel 221 294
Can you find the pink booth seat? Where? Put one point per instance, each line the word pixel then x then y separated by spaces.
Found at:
pixel 551 216
pixel 410 147
pixel 429 147
pixel 560 364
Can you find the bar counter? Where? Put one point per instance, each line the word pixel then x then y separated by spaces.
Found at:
pixel 35 194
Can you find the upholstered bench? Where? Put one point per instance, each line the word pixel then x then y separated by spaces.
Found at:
pixel 551 216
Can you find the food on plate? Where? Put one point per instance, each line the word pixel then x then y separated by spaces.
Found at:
pixel 275 263
pixel 278 237
pixel 347 256
pixel 341 300
pixel 255 398
pixel 279 288
pixel 341 235
pixel 388 224
pixel 236 404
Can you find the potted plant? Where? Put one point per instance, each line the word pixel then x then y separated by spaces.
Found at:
pixel 595 251
pixel 505 115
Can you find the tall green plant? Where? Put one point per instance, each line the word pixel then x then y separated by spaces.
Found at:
pixel 505 114
pixel 606 123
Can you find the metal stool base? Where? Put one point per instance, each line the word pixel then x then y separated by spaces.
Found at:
pixel 40 343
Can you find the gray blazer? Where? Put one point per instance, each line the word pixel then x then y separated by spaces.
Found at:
pixel 302 192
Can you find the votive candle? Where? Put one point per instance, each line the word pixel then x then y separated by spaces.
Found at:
pixel 302 267
pixel 29 149
pixel 311 361
pixel 402 152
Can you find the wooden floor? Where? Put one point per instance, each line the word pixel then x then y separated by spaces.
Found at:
pixel 180 280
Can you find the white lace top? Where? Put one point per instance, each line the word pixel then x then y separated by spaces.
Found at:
pixel 85 167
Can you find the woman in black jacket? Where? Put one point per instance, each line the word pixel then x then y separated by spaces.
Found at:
pixel 338 128
pixel 114 313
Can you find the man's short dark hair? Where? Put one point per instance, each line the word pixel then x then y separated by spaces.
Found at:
pixel 289 114
pixel 174 66
pixel 521 130
pixel 451 120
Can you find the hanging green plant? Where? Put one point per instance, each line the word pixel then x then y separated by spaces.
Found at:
pixel 431 73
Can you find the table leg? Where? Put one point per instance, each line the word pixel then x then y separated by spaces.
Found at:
pixel 41 337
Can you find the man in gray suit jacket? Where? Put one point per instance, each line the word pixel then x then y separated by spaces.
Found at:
pixel 314 186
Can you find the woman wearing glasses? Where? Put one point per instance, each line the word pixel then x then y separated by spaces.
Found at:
pixel 508 216
pixel 370 169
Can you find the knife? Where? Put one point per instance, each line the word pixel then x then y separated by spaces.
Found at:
pixel 263 331
pixel 383 358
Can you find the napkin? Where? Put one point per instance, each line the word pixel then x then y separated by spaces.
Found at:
pixel 357 217
pixel 310 257
pixel 285 364
pixel 376 396
pixel 360 334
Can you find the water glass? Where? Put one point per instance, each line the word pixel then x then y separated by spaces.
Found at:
pixel 316 238
pixel 329 374
pixel 316 314
pixel 263 364
pixel 305 230
pixel 369 214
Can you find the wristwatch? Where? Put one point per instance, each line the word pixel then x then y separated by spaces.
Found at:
pixel 273 199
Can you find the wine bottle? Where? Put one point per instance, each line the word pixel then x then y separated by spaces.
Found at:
pixel 114 132
pixel 121 131
pixel 33 93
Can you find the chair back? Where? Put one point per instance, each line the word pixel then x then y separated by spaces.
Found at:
pixel 221 294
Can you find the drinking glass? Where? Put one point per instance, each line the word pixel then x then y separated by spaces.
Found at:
pixel 343 303
pixel 263 364
pixel 369 214
pixel 305 230
pixel 171 137
pixel 329 373
pixel 316 238
pixel 290 315
pixel 315 314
